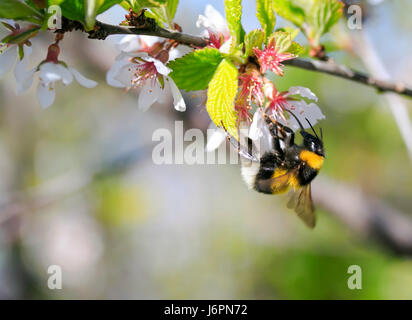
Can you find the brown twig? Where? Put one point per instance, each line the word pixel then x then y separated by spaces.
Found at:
pixel 149 28
pixel 330 67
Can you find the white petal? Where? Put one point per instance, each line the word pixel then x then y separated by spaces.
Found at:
pixel 24 79
pixel 226 46
pixel 122 56
pixel 112 74
pixel 160 67
pixel 148 95
pixel 204 22
pixel 113 39
pixel 218 22
pixel 178 101
pixel 8 59
pixel 65 74
pixel 215 139
pixel 82 79
pixel 129 43
pixel 149 40
pixel 255 131
pixel 45 94
pixel 174 54
pixel 305 111
pixel 126 74
pixel 303 92
pixel 49 73
pixel 166 96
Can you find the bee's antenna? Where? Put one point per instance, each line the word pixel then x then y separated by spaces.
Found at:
pixel 300 124
pixel 312 128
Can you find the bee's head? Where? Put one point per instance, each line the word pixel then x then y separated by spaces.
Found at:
pixel 312 143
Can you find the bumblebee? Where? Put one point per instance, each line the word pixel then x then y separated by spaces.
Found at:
pixel 286 166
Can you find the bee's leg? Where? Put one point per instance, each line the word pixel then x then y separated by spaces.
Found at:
pixel 247 152
pixel 288 136
pixel 277 146
pixel 280 132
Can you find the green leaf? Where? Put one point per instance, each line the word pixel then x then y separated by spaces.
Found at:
pixel 54 2
pixel 107 4
pixel 151 3
pixel 165 13
pixel 21 37
pixel 266 15
pixel 95 7
pixel 127 4
pixel 84 10
pixel 15 9
pixel 293 31
pixel 90 12
pixel 284 43
pixel 221 97
pixel 233 9
pixel 71 9
pixel 194 70
pixel 171 8
pixel 254 39
pixel 323 15
pixel 288 10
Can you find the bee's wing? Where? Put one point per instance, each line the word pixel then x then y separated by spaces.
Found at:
pixel 276 185
pixel 301 202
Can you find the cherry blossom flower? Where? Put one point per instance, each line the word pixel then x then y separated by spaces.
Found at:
pixel 51 71
pixel 278 105
pixel 12 51
pixel 215 139
pixel 270 58
pixel 217 29
pixel 143 65
pixel 256 128
pixel 251 85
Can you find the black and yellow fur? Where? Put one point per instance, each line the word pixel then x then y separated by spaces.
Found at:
pixel 287 166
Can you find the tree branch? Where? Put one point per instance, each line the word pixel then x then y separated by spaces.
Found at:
pixel 149 27
pixel 330 67
pixel 186 39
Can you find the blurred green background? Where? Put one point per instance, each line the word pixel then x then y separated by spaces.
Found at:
pixel 79 189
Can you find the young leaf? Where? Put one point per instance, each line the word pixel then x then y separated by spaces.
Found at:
pixel 254 39
pixel 71 9
pixel 293 31
pixel 165 13
pixel 83 10
pixel 15 9
pixel 90 12
pixel 171 8
pixel 221 97
pixel 284 43
pixel 266 15
pixel 288 10
pixel 233 9
pixel 107 4
pixel 323 15
pixel 151 3
pixel 21 37
pixel 194 70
